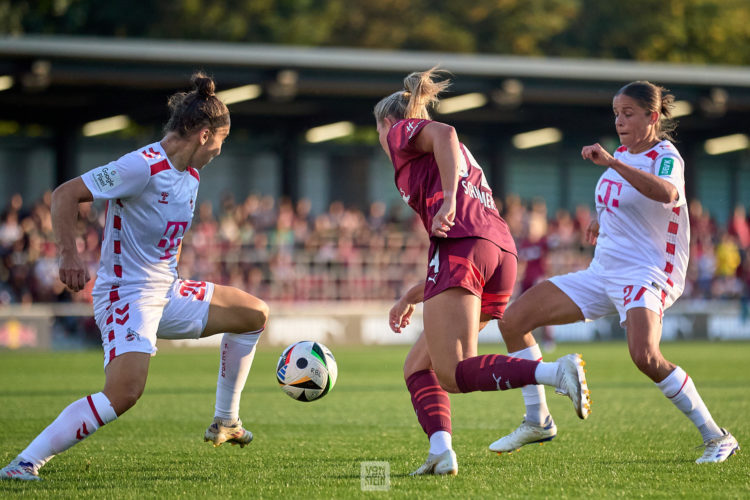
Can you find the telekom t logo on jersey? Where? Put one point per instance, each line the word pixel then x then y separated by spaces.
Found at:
pixel 172 238
pixel 608 193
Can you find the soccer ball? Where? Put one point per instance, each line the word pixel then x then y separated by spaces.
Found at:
pixel 306 370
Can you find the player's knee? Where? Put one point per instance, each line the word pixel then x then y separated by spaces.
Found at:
pixel 255 317
pixel 510 325
pixel 124 399
pixel 645 359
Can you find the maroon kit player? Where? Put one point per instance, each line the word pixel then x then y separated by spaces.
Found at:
pixel 471 271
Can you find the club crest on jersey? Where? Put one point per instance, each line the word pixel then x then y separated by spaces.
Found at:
pixel 666 166
pixel 164 196
pixel 106 178
pixel 132 335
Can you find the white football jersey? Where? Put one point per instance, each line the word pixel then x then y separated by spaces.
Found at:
pixel 150 207
pixel 638 236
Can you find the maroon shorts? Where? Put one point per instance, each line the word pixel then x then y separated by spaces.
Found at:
pixel 476 265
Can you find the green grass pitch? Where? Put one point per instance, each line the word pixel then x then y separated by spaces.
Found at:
pixel 634 445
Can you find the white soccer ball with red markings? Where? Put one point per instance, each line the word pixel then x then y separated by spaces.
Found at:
pixel 306 371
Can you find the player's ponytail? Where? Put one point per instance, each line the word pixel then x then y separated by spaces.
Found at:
pixel 197 109
pixel 421 90
pixel 653 98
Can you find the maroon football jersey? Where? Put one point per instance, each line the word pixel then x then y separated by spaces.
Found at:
pixel 418 181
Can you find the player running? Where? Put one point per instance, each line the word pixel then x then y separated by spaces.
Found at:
pixel 138 297
pixel 642 239
pixel 471 271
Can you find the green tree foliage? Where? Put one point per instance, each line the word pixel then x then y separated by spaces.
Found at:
pixel 690 31
pixel 710 31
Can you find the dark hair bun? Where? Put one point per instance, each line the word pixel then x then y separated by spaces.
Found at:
pixel 204 85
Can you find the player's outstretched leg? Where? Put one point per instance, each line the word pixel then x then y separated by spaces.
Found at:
pixel 495 372
pixel 237 354
pixel 235 311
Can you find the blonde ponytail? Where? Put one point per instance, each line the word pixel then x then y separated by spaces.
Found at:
pixel 421 90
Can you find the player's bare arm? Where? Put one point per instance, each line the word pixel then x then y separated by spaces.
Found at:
pixel 649 185
pixel 442 141
pixel 65 200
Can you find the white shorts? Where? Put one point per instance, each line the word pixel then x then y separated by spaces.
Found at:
pixel 597 296
pixel 131 318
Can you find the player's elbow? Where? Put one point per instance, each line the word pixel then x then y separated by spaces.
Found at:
pixel 667 195
pixel 672 194
pixel 72 191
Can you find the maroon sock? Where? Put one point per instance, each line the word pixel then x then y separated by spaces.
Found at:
pixel 431 402
pixel 494 372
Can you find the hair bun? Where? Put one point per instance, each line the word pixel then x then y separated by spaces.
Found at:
pixel 204 85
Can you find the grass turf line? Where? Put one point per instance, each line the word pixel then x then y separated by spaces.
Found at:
pixel 635 444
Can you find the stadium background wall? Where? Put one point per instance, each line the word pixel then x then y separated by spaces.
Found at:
pixel 48 327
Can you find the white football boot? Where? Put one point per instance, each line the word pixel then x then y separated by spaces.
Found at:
pixel 719 449
pixel 571 382
pixel 224 431
pixel 20 470
pixel 443 464
pixel 526 433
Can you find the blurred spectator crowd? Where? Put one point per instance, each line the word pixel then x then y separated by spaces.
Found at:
pixel 281 251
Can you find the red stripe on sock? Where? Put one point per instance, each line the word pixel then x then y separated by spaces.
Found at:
pixel 93 410
pixel 435 405
pixel 442 413
pixel 426 395
pixel 683 385
pixel 418 394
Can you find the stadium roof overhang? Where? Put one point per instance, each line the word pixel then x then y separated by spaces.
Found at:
pixel 64 81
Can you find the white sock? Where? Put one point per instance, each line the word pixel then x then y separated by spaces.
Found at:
pixel 679 388
pixel 546 373
pixel 533 395
pixel 440 441
pixel 237 353
pixel 76 422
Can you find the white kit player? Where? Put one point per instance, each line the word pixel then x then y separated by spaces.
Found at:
pixel 642 247
pixel 138 297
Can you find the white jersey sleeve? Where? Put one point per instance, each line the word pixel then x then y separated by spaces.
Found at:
pixel 125 178
pixel 669 166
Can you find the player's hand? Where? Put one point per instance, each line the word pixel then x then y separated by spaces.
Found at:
pixel 73 272
pixel 597 154
pixel 400 315
pixel 443 220
pixel 592 232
